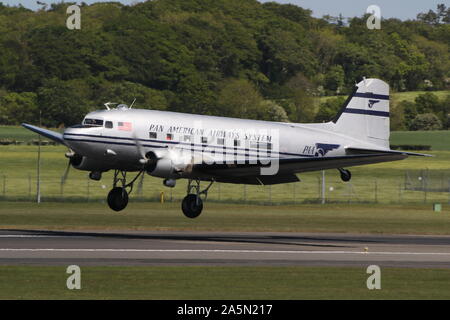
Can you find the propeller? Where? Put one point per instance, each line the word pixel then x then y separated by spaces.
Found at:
pixel 146 160
pixel 70 155
pixel 66 174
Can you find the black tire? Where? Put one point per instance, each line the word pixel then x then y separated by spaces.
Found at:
pixel 346 175
pixel 191 207
pixel 117 199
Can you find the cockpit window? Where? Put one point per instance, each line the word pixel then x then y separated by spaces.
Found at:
pixel 93 122
pixel 108 124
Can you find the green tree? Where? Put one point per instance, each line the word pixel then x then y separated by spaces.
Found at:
pixel 397 116
pixel 126 92
pixel 239 98
pixel 329 109
pixel 273 111
pixel 409 110
pixel 16 108
pixel 428 102
pixel 426 121
pixel 61 103
pixel 334 79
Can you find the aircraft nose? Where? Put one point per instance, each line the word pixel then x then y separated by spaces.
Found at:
pixel 78 138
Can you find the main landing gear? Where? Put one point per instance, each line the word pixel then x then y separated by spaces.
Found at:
pixel 192 204
pixel 346 175
pixel 118 196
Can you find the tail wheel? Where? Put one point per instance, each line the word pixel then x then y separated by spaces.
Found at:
pixel 192 206
pixel 118 199
pixel 346 175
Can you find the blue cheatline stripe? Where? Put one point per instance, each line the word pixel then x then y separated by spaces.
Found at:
pixel 371 95
pixel 367 112
pixel 163 142
pixel 229 151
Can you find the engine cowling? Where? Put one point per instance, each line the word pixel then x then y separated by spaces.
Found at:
pixel 167 165
pixel 87 164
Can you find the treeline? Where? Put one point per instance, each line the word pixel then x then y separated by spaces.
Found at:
pixel 236 58
pixel 426 112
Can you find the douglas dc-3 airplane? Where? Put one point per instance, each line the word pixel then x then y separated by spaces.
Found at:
pixel 199 148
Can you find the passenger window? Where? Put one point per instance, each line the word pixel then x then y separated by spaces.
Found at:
pixel 108 124
pixel 169 136
pixel 153 135
pixel 237 143
pixel 187 138
pixel 221 141
pixel 254 144
pixel 204 140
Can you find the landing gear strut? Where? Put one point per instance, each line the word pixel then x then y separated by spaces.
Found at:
pixel 346 175
pixel 118 196
pixel 192 204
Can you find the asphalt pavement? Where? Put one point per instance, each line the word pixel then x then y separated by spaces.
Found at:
pixel 133 248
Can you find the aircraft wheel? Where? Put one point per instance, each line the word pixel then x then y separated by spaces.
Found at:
pixel 192 206
pixel 346 175
pixel 117 199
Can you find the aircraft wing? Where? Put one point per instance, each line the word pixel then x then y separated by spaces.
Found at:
pixel 258 180
pixel 288 167
pixel 52 135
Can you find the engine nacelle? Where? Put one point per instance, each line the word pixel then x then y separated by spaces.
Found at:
pixel 169 165
pixel 87 164
pixel 163 168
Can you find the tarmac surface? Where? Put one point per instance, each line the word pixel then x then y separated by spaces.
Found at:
pixel 139 248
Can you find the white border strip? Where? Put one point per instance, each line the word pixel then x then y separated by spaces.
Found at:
pixel 222 251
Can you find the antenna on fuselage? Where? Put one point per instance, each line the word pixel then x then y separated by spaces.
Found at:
pixel 107 105
pixel 133 103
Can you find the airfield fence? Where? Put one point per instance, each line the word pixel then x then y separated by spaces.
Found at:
pixel 416 186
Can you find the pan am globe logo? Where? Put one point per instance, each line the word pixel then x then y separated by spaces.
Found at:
pixel 323 148
pixel 372 102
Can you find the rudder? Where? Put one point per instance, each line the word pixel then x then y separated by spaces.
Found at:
pixel 365 115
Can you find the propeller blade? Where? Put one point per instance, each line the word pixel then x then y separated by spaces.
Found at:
pixel 138 144
pixel 66 174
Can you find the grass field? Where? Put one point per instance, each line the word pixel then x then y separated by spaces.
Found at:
pixel 398 211
pixel 222 283
pixel 383 183
pixel 438 140
pixel 18 133
pixel 375 183
pixel 412 95
pixel 397 219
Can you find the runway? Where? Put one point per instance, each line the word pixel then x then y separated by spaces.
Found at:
pixel 133 248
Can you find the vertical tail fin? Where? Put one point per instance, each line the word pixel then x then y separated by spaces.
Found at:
pixel 365 115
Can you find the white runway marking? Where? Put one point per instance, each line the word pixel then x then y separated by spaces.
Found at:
pixel 224 251
pixel 26 236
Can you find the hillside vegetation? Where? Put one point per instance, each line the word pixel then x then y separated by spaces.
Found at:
pixel 237 58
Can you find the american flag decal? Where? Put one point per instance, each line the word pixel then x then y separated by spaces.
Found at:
pixel 125 126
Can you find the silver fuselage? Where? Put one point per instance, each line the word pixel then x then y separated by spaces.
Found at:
pixel 116 147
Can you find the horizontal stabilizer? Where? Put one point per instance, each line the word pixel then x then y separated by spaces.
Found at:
pixel 374 151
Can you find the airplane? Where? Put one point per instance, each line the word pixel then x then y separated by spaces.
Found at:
pixel 200 148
